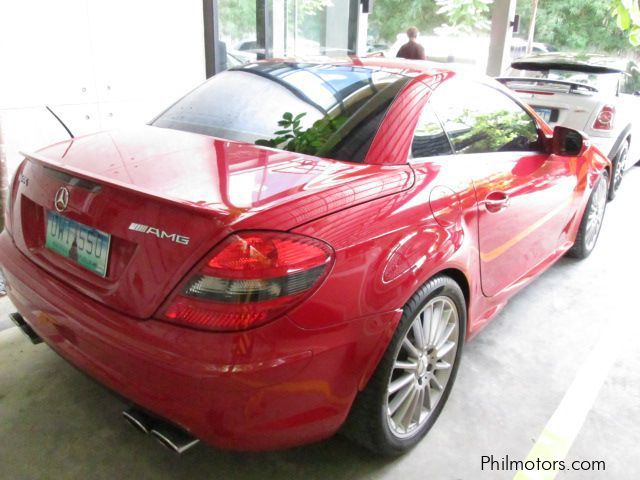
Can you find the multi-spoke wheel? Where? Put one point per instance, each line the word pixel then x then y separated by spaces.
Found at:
pixel 412 382
pixel 422 367
pixel 591 220
pixel 619 165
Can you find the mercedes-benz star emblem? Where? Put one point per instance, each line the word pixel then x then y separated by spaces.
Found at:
pixel 61 200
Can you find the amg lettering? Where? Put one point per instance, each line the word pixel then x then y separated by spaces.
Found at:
pixel 182 240
pixel 161 234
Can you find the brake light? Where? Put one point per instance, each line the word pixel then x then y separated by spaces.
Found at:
pixel 605 118
pixel 250 279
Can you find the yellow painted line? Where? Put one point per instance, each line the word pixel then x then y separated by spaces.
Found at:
pixel 566 422
pixel 496 252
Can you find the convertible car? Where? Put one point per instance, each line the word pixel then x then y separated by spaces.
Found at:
pixel 296 249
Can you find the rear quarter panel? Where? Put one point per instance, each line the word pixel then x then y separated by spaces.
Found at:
pixel 386 249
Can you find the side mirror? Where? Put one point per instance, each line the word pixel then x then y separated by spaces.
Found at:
pixel 568 142
pixel 637 93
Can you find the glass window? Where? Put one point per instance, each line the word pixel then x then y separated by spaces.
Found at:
pixel 326 110
pixel 296 28
pixel 237 33
pixel 478 118
pixel 429 139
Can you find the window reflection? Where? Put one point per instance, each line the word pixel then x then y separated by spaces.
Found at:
pixel 429 139
pixel 336 109
pixel 479 119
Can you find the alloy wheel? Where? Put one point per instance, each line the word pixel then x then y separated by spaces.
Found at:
pixel 619 170
pixel 596 214
pixel 422 367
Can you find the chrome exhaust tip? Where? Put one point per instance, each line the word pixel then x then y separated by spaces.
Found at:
pixel 138 419
pixel 24 327
pixel 174 438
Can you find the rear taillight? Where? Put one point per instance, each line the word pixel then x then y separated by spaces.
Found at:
pixel 605 118
pixel 250 279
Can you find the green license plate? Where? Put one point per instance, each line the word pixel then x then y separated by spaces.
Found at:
pixel 84 245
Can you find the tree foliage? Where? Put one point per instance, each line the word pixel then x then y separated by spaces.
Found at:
pixel 607 25
pixel 391 17
pixel 567 24
pixel 496 131
pixel 466 16
pixel 627 15
pixel 238 17
pixel 578 25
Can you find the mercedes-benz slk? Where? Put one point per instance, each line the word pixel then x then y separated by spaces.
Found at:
pixel 295 249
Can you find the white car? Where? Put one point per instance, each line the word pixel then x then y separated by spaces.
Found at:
pixel 592 93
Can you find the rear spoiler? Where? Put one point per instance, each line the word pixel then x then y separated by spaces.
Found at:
pixel 573 87
pixel 542 66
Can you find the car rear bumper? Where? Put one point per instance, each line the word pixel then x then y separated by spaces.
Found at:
pixel 605 145
pixel 271 387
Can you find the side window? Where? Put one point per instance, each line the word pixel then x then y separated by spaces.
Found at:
pixel 429 139
pixel 480 119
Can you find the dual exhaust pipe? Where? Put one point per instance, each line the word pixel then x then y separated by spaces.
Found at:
pixel 174 438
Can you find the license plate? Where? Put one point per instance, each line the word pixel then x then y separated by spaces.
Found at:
pixel 545 113
pixel 84 245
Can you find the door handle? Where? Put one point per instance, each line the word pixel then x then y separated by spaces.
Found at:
pixel 496 201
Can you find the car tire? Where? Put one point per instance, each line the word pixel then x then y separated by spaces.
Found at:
pixel 591 222
pixel 618 167
pixel 439 305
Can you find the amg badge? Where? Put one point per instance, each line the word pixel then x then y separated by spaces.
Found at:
pixel 174 237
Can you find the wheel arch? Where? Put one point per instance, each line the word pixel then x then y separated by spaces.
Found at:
pixel 460 278
pixel 624 136
pixel 455 274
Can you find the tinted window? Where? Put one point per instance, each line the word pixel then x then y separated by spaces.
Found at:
pixel 429 139
pixel 478 119
pixel 326 110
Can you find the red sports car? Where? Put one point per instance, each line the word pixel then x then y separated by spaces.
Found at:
pixel 294 249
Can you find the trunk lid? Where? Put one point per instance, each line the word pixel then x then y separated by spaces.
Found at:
pixel 167 197
pixel 557 102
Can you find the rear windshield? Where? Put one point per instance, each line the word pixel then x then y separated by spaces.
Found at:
pixel 326 110
pixel 604 82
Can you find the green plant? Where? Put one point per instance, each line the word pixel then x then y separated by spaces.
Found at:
pixel 627 15
pixel 294 138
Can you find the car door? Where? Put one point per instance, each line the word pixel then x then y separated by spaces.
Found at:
pixel 524 195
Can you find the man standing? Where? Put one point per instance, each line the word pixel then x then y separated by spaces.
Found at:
pixel 412 50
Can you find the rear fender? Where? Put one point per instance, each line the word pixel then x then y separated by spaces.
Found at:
pixel 622 137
